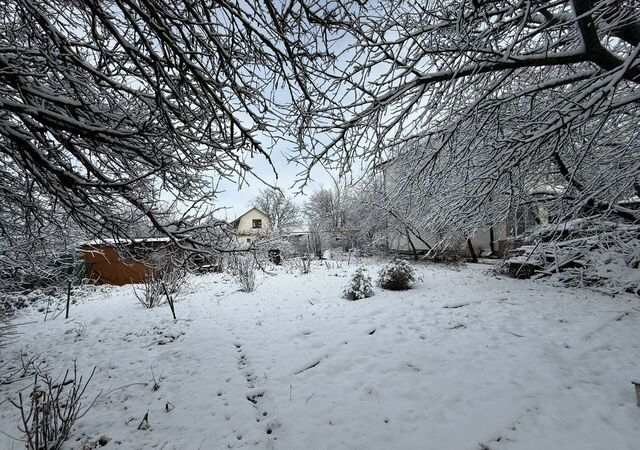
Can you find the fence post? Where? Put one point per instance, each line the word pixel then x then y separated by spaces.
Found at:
pixel 66 315
pixel 170 301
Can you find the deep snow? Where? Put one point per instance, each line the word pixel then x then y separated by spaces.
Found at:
pixel 460 361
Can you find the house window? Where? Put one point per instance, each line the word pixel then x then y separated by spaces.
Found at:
pixel 256 223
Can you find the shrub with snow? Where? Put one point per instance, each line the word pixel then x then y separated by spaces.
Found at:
pixel 12 302
pixel 396 276
pixel 360 286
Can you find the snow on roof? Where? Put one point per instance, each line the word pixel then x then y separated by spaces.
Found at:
pixel 297 230
pixel 127 241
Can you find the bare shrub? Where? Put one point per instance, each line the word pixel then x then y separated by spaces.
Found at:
pixel 149 292
pixel 157 284
pixel 243 269
pixel 303 264
pixel 18 367
pixel 52 409
pixel 174 280
pixel 333 264
pixel 451 255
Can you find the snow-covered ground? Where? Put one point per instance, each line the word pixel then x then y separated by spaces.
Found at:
pixel 462 361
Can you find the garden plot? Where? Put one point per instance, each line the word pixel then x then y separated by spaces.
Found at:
pixel 461 361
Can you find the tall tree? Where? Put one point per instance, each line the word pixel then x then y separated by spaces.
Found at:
pixel 281 209
pixel 328 209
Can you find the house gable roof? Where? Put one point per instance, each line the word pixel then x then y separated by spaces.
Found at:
pixel 235 223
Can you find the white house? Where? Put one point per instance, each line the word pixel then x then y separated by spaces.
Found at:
pixel 251 226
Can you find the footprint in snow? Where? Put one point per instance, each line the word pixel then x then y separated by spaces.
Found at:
pixel 255 397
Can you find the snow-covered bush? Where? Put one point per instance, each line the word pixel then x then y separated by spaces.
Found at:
pixel 360 286
pixel 243 269
pixel 396 276
pixel 12 302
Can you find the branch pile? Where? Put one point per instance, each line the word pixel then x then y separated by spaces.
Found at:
pixel 585 252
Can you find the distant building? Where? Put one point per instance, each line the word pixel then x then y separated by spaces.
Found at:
pixel 251 226
pixel 126 261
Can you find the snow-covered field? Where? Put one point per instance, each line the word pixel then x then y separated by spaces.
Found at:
pixel 462 361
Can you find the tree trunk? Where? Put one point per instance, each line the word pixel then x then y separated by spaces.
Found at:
pixel 413 247
pixel 491 238
pixel 474 258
